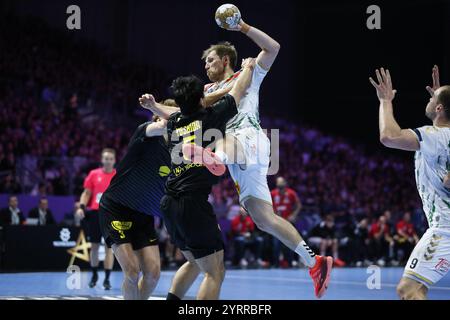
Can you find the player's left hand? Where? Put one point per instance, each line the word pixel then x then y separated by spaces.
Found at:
pixel 147 101
pixel 248 63
pixel 384 88
pixel 436 82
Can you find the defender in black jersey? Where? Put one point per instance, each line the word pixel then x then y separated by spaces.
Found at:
pixel 188 216
pixel 128 205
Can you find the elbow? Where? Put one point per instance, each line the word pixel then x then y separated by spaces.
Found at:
pixel 386 140
pixel 274 48
pixel 277 47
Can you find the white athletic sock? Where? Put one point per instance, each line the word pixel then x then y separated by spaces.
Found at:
pixel 306 253
pixel 222 156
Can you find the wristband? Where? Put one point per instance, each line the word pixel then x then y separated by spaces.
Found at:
pixel 83 207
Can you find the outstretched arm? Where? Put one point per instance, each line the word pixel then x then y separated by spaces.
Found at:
pixel 391 135
pixel 244 80
pixel 148 102
pixel 215 96
pixel 269 47
pixel 157 128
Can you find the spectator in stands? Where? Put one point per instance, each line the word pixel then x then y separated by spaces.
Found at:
pixel 381 241
pixel 323 235
pixel 405 238
pixel 390 221
pixel 286 204
pixel 361 243
pixel 11 215
pixel 10 184
pixel 245 237
pixel 233 208
pixel 219 202
pixel 71 218
pixel 42 213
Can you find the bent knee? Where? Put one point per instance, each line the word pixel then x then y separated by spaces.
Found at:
pixel 409 290
pixel 217 275
pixel 402 290
pixel 264 222
pixel 152 274
pixel 131 272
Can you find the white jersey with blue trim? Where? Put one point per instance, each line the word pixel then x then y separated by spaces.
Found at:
pixel 248 110
pixel 432 163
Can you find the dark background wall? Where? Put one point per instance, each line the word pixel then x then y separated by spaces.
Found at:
pixel 327 55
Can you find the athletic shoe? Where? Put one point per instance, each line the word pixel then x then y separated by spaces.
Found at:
pixel 243 263
pixel 381 263
pixel 94 280
pixel 107 284
pixel 262 264
pixel 205 157
pixel 320 274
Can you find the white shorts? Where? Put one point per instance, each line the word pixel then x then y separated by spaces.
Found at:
pixel 251 179
pixel 430 260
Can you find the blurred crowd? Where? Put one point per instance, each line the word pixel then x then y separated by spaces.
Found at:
pixel 62 101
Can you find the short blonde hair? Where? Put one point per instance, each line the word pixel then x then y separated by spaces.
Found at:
pixel 223 49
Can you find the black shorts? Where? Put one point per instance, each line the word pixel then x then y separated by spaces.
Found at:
pixel 192 224
pixel 128 226
pixel 91 226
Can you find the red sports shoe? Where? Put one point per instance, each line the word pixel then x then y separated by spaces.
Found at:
pixel 320 274
pixel 339 263
pixel 205 157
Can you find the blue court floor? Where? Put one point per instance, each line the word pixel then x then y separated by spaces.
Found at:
pixel 272 284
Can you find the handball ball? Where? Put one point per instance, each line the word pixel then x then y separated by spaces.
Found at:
pixel 228 16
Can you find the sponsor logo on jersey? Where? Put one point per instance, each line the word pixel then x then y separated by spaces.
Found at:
pixel 121 226
pixel 442 266
pixel 164 171
pixel 191 127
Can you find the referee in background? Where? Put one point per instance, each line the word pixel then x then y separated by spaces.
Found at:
pixel 95 185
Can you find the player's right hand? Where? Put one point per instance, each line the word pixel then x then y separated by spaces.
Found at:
pixel 436 83
pixel 147 101
pixel 384 86
pixel 80 213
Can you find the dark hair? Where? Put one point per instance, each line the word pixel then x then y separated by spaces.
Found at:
pixel 444 99
pixel 187 92
pixel 223 49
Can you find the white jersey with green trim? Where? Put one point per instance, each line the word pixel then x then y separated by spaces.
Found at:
pixel 432 163
pixel 248 111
